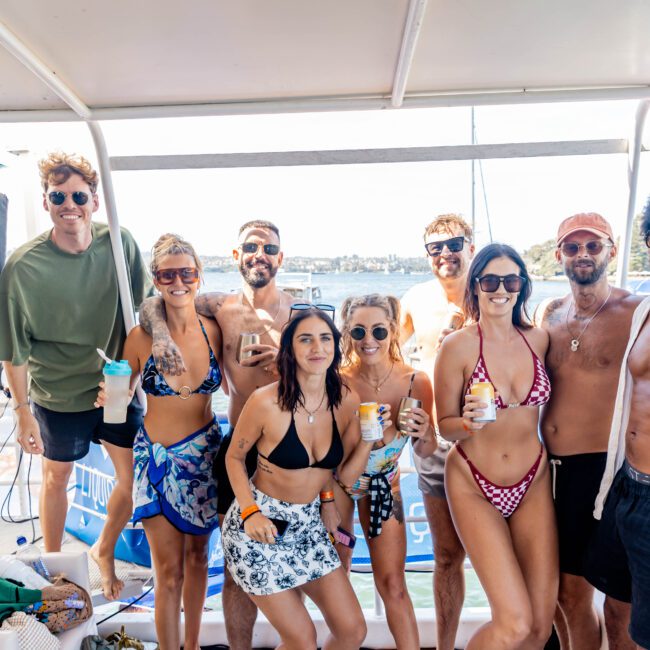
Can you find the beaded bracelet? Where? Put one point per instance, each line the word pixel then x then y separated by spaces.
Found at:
pixel 249 512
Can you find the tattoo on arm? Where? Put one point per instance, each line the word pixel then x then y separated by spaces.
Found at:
pixel 552 315
pixel 398 508
pixel 209 304
pixel 242 443
pixel 152 316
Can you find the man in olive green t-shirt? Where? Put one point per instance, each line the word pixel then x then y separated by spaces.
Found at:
pixel 59 301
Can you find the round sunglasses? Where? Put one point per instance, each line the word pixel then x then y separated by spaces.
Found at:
pixel 188 275
pixel 379 333
pixel 58 198
pixel 593 247
pixel 512 282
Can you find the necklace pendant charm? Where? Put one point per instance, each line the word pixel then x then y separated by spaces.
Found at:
pixel 575 344
pixel 310 419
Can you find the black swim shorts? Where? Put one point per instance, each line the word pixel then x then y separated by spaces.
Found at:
pixel 618 560
pixel 225 495
pixel 576 481
pixel 67 436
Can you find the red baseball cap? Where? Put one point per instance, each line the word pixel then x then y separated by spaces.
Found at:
pixel 589 221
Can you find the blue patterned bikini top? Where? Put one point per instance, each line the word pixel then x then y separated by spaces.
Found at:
pixel 153 382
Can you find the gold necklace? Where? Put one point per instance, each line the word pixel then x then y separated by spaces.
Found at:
pixel 575 342
pixel 310 414
pixel 277 313
pixel 377 386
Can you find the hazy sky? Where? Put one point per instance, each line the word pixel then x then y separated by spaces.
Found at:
pixel 346 209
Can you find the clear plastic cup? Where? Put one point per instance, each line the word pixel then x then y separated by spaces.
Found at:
pixel 117 379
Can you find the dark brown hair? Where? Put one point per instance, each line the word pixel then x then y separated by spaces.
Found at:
pixel 290 394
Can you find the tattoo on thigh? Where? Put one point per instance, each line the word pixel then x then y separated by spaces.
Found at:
pixel 398 508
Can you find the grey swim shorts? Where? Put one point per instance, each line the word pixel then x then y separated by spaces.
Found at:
pixel 431 470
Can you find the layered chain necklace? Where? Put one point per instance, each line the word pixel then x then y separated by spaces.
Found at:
pixel 575 342
pixel 377 385
pixel 311 414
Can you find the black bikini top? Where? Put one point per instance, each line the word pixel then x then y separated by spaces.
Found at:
pixel 290 453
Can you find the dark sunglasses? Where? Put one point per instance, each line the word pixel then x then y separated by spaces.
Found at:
pixel 512 283
pixel 188 275
pixel 251 247
pixel 358 333
pixel 58 198
pixel 455 245
pixel 593 247
pixel 304 306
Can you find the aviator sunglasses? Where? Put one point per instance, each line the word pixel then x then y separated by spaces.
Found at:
pixel 454 245
pixel 358 333
pixel 512 283
pixel 188 275
pixel 593 247
pixel 304 306
pixel 251 247
pixel 58 198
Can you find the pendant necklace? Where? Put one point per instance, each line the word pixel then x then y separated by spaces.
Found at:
pixel 377 386
pixel 310 414
pixel 575 342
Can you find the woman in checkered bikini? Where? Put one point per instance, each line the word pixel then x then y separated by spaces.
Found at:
pixel 497 476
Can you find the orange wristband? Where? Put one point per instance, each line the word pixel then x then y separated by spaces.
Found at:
pixel 471 433
pixel 247 512
pixel 327 496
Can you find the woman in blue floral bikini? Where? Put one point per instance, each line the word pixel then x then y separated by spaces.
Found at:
pixel 174 493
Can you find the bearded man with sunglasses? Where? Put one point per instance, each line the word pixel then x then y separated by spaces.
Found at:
pixel 59 302
pixel 259 308
pixel 430 311
pixel 588 331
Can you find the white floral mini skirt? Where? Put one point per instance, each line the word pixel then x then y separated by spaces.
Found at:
pixel 304 553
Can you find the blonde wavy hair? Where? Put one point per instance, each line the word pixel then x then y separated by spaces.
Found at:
pixel 390 306
pixel 447 223
pixel 59 166
pixel 171 244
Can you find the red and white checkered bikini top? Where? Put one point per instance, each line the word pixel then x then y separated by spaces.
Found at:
pixel 540 391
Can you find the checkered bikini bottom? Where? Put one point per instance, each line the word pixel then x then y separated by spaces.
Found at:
pixel 505 498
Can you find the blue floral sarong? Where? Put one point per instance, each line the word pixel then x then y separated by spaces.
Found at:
pixel 176 481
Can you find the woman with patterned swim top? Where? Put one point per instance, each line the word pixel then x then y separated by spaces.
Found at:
pixel 497 476
pixel 374 368
pixel 174 493
pixel 275 543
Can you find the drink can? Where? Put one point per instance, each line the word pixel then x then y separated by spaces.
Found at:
pixel 371 429
pixel 485 391
pixel 244 340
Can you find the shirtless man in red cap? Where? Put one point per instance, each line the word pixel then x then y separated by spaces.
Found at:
pixel 589 330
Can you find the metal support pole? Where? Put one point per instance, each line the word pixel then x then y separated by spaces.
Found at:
pixel 634 162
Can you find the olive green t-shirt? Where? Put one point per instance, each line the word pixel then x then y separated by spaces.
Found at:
pixel 56 308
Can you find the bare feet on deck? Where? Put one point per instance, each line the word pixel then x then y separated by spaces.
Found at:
pixel 111 584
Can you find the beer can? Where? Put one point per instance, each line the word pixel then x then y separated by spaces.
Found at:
pixel 371 429
pixel 485 391
pixel 244 340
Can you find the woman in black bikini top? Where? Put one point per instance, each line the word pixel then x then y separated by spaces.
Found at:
pixel 297 425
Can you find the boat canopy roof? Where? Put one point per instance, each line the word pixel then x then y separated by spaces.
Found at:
pixel 165 58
